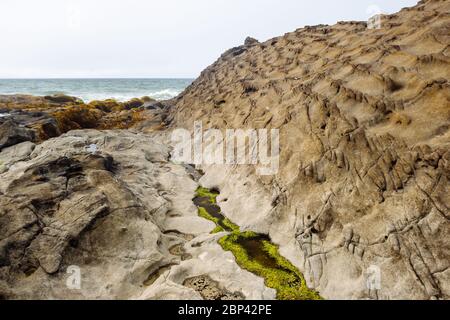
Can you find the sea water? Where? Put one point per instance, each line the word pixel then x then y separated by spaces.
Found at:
pixel 97 89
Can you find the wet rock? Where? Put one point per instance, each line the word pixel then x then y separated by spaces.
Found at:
pixel 11 133
pixel 51 116
pixel 132 104
pixel 62 98
pixel 49 129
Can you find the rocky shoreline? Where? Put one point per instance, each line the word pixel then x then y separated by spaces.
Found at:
pixel 50 116
pixel 116 213
pixel 112 204
pixel 90 189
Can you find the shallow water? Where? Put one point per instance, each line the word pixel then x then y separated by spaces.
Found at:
pixel 255 250
pixel 256 253
pixel 254 246
pixel 213 210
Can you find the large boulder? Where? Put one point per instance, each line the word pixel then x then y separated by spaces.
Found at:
pixel 11 133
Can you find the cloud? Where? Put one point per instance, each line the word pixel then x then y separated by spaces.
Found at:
pixel 170 38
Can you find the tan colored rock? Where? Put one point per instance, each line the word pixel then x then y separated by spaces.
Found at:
pixel 208 260
pixel 360 204
pixel 364 118
pixel 111 206
pixel 65 205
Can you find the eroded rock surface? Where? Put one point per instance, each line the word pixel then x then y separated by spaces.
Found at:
pixel 364 118
pixel 111 205
pixel 210 290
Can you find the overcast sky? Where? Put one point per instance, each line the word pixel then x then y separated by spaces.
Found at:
pixel 151 38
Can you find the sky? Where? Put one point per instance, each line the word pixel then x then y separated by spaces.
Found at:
pixel 151 38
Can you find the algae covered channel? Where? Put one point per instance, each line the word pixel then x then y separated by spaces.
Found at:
pixel 255 252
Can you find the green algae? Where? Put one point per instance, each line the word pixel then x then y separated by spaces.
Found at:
pixel 203 192
pixel 255 253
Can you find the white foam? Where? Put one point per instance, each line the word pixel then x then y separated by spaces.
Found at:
pixel 158 95
pixel 97 89
pixel 165 94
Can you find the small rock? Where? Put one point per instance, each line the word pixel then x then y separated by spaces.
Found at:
pixel 249 41
pixel 61 98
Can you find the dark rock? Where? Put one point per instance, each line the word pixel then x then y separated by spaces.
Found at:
pixel 235 51
pixel 50 128
pixel 38 114
pixel 133 104
pixel 11 133
pixel 153 105
pixel 109 163
pixel 4 115
pixel 61 98
pixel 249 41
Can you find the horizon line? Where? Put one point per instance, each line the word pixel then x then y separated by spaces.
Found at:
pixel 102 78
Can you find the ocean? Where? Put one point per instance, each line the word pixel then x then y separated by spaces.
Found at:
pixel 97 89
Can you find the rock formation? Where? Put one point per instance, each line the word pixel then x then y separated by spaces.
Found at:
pixel 364 118
pixel 362 191
pixel 11 133
pixel 113 206
pixel 50 116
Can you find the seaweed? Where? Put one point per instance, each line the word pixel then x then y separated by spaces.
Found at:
pixel 255 253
